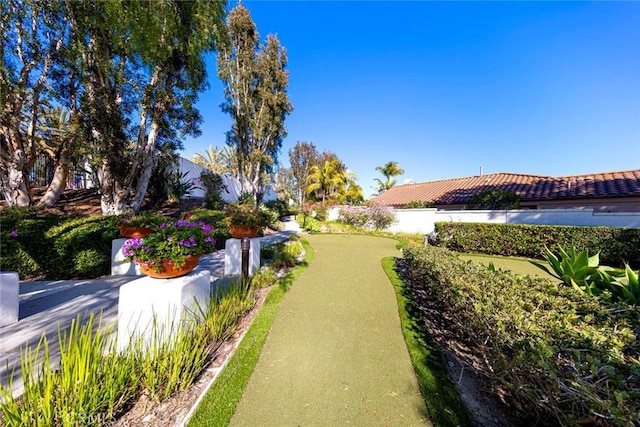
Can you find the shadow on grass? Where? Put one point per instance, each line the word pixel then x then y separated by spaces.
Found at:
pixel 443 401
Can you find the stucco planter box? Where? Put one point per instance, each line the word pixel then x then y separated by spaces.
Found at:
pixel 118 265
pixel 9 302
pixel 165 304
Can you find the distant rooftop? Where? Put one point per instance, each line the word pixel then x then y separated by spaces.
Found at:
pixel 527 187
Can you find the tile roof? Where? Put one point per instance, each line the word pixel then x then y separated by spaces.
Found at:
pixel 528 187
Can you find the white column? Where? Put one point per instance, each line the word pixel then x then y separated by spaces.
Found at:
pixel 118 266
pixel 9 302
pixel 233 257
pixel 146 303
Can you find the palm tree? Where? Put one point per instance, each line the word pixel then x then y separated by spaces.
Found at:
pixel 326 180
pixel 214 159
pixel 389 170
pixel 353 192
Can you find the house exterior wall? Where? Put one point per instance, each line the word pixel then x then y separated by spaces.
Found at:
pixel 423 220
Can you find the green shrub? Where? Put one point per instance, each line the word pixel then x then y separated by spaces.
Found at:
pixel 264 278
pixel 272 217
pixel 615 245
pixel 215 217
pixel 56 246
pixel 553 352
pixel 213 185
pixel 282 207
pixel 418 204
pixel 166 366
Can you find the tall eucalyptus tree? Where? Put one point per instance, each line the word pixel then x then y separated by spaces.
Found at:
pixel 256 97
pixel 302 157
pixel 129 72
pixel 144 59
pixel 32 34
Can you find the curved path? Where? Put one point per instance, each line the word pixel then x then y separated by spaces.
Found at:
pixel 335 354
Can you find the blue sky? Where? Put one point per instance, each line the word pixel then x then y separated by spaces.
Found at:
pixel 444 88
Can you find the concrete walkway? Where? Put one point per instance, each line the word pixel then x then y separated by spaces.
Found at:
pixel 47 306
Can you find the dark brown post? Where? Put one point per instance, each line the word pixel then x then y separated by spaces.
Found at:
pixel 245 245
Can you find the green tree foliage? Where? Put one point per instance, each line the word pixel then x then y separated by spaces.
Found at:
pixel 302 157
pixel 32 35
pixel 326 180
pixel 144 60
pixel 389 170
pixel 494 199
pixel 216 159
pixel 330 180
pixel 256 98
pixel 129 74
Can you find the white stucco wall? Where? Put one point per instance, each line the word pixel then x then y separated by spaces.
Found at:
pixel 423 220
pixel 232 187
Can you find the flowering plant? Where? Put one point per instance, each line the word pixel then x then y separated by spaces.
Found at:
pixel 245 214
pixel 173 242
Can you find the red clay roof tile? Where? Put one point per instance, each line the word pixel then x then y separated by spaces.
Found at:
pixel 528 187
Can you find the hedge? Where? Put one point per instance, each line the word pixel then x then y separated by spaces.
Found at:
pixel 555 354
pixel 616 245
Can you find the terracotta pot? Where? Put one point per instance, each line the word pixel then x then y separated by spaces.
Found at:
pixel 139 232
pixel 168 271
pixel 240 231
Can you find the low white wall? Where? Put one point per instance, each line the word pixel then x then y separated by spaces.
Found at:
pixel 423 220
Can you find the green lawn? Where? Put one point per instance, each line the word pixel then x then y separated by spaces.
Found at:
pixel 335 354
pixel 517 265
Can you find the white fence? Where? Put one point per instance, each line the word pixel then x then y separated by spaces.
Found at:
pixel 423 220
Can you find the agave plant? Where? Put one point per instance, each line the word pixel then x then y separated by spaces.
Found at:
pixel 571 268
pixel 584 273
pixel 626 286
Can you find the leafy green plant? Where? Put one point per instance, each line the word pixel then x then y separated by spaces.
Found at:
pixel 178 185
pixel 213 185
pixel 245 214
pixel 627 286
pixel 169 364
pixel 574 269
pixel 583 272
pixel 264 278
pixel 225 308
pixel 286 254
pixel 91 386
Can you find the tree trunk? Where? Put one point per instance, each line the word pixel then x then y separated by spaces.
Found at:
pixel 57 185
pixel 113 197
pixel 148 158
pixel 14 181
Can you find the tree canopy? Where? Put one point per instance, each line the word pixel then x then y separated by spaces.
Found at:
pixel 389 170
pixel 128 73
pixel 255 87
